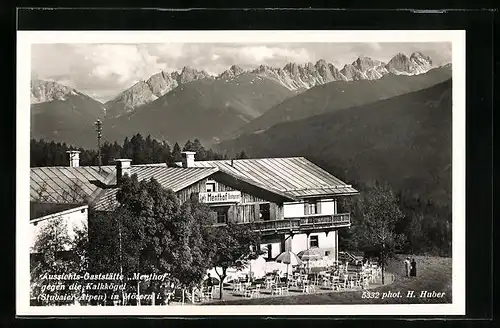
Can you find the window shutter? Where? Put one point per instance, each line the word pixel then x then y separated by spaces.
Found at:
pixel 256 212
pixel 318 207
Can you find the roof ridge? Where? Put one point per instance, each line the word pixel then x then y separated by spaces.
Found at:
pixel 249 159
pixel 323 187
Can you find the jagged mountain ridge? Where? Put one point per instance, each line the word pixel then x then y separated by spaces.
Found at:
pixel 306 76
pixel 157 85
pixel 343 94
pixel 293 76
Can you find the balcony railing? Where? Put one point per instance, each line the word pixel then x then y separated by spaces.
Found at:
pixel 302 224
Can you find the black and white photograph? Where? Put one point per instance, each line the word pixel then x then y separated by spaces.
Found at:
pixel 216 171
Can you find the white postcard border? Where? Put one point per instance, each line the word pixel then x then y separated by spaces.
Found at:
pixel 26 38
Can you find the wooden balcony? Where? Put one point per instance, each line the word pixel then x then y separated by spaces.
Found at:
pixel 302 224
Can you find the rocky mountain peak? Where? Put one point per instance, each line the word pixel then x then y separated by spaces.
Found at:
pixel 352 73
pixel 233 71
pixel 417 63
pixel 236 69
pixel 420 58
pixel 292 68
pixel 364 63
pixel 189 74
pixel 44 91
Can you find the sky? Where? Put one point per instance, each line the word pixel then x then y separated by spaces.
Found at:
pixel 104 70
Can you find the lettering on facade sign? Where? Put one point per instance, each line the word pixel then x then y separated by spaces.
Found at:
pixel 220 197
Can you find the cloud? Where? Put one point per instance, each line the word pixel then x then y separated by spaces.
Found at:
pixel 104 70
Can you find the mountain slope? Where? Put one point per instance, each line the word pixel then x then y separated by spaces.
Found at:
pixel 205 109
pixel 144 92
pixel 342 94
pixel 58 112
pixel 404 140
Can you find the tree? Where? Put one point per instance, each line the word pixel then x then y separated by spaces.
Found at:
pixel 231 246
pixel 176 153
pixel 188 146
pixel 376 215
pixel 56 252
pixel 242 155
pixel 172 238
pixel 189 247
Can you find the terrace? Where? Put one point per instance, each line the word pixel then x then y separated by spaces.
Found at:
pixel 274 284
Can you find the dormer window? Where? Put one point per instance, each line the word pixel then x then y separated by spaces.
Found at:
pixel 210 186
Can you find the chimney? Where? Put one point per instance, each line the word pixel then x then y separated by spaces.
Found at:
pixel 74 158
pixel 123 167
pixel 188 158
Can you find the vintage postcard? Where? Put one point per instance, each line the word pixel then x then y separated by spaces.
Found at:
pixel 241 172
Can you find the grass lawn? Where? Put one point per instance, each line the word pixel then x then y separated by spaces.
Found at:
pixel 433 274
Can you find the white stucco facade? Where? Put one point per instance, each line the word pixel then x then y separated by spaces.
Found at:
pixel 326 243
pixel 73 219
pixel 296 209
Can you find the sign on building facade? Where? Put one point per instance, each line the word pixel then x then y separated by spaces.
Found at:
pixel 220 197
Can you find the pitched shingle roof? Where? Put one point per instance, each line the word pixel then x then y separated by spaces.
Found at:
pixel 174 178
pixel 70 185
pixel 293 175
pixel 62 184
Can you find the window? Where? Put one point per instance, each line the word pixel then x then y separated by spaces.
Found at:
pixel 313 241
pixel 269 251
pixel 312 207
pixel 210 186
pixel 221 213
pixel 265 214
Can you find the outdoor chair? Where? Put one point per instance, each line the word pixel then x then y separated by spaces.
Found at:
pixel 270 283
pixel 358 281
pixel 208 293
pixel 343 283
pixel 252 292
pixel 237 286
pixel 293 282
pixel 248 292
pixel 335 283
pixel 365 283
pixel 305 287
pixel 256 291
pixel 275 290
pixel 326 282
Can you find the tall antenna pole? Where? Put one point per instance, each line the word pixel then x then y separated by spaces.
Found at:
pixel 98 125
